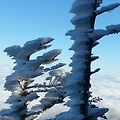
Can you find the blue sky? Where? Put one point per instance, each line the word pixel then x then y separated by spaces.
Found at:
pixel 23 20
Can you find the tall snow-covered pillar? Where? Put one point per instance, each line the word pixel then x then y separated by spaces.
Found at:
pixel 81 61
pixel 85 38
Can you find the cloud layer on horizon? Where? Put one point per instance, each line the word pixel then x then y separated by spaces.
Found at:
pixel 4 71
pixel 107 88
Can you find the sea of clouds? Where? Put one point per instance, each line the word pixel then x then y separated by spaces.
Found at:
pixel 108 88
pixel 105 87
pixel 4 71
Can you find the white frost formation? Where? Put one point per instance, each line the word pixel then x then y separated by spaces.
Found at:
pixel 19 82
pixel 85 38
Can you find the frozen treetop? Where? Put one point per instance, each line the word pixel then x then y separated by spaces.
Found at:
pixel 23 53
pixel 26 68
pixel 82 5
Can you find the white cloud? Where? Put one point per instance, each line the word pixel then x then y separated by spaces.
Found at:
pixel 4 71
pixel 53 111
pixel 108 88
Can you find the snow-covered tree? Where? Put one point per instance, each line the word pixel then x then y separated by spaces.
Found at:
pixel 85 37
pixel 21 82
pixel 54 93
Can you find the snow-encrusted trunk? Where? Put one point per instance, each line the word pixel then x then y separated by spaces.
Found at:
pixel 85 38
pixel 78 83
pixel 83 21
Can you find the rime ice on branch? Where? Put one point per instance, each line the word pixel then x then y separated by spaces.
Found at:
pixel 19 82
pixel 55 93
pixel 85 38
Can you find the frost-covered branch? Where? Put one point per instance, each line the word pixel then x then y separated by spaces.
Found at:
pixel 96 70
pixel 95 44
pixel 97 34
pixel 54 93
pixel 22 54
pixel 94 58
pixel 107 8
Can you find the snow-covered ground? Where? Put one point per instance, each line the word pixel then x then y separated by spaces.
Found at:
pixel 106 87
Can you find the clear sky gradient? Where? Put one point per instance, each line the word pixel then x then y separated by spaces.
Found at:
pixel 23 20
